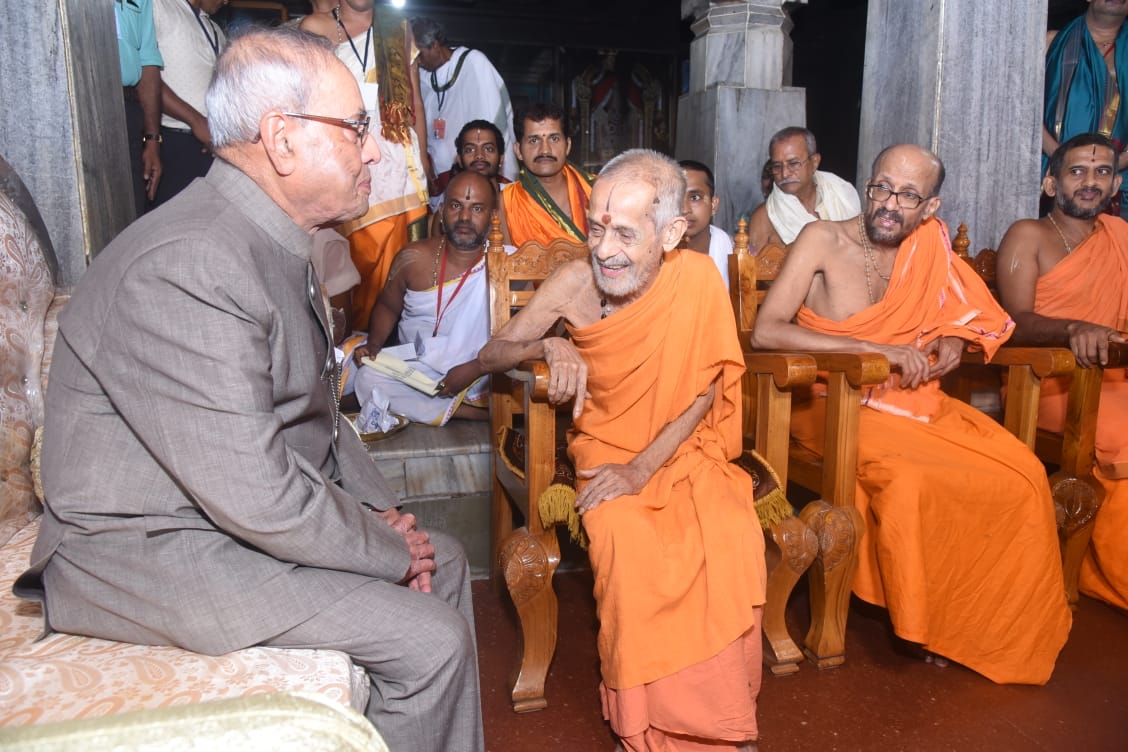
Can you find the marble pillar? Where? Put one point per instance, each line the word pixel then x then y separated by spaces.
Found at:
pixel 62 124
pixel 740 93
pixel 963 78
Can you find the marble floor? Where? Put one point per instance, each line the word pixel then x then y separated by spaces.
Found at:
pixel 883 699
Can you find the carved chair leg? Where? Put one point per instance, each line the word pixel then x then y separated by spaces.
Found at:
pixel 839 532
pixel 528 562
pixel 501 526
pixel 791 547
pixel 1076 502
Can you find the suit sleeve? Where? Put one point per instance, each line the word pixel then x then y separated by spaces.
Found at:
pixel 186 358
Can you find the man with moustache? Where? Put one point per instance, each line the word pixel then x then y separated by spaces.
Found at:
pixel 481 149
pixel 437 292
pixel 960 541
pixel 200 489
pixel 654 367
pixel 1087 82
pixel 1064 278
pixel 803 193
pixel 549 199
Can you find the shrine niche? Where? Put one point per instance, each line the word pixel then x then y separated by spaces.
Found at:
pixel 618 102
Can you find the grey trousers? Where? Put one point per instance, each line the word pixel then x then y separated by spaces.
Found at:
pixel 419 650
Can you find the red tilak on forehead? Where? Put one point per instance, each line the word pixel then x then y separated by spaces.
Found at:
pixel 606 218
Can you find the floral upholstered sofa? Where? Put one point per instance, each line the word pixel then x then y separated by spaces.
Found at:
pixel 59 676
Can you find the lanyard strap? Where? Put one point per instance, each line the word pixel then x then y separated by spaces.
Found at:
pixel 367 39
pixel 439 310
pixel 213 39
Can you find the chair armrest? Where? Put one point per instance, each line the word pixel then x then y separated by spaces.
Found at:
pixel 1043 361
pixel 860 369
pixel 788 370
pixel 534 375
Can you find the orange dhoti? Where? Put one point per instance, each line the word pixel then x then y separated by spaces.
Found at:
pixel 1091 284
pixel 960 541
pixel 372 248
pixel 679 568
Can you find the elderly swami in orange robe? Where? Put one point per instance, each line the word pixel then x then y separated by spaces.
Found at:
pixel 960 542
pixel 1064 278
pixel 676 546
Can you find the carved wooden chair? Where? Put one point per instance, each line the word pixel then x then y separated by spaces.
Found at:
pixel 526 474
pixel 833 523
pixel 1077 494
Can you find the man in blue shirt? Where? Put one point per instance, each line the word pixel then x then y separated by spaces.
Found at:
pixel 141 65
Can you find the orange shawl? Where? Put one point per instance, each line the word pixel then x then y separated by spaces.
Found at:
pixel 960 542
pixel 1091 284
pixel 932 293
pixel 530 217
pixel 679 568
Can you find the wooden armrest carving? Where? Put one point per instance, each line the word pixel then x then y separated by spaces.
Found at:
pixel 534 375
pixel 1044 361
pixel 1117 355
pixel 787 370
pixel 860 369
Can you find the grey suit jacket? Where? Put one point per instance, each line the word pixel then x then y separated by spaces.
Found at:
pixel 194 493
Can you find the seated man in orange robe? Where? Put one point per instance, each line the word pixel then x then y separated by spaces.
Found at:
pixel 549 200
pixel 676 546
pixel 1064 278
pixel 960 542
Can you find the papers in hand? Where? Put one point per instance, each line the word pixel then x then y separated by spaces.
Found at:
pixel 390 363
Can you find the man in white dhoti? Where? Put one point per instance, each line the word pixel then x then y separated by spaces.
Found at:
pixel 457 85
pixel 802 193
pixel 437 292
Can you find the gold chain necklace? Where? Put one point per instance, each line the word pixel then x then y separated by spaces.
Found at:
pixel 1068 248
pixel 870 261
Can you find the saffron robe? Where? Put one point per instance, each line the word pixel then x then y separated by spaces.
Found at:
pixel 1091 284
pixel 960 541
pixel 679 568
pixel 531 214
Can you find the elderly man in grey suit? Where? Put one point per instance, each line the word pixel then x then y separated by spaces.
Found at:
pixel 200 489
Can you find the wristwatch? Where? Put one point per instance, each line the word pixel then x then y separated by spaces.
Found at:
pixel 147 137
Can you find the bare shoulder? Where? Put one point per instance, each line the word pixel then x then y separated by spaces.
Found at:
pixel 416 265
pixel 1023 238
pixel 318 23
pixel 760 230
pixel 824 238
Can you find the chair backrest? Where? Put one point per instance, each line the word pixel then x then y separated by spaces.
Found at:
pixel 750 275
pixel 513 276
pixel 983 262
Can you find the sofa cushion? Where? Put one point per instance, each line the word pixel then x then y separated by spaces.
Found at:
pixel 65 676
pixel 27 289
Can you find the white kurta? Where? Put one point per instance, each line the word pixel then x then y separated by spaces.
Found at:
pixel 479 93
pixel 463 329
pixel 720 248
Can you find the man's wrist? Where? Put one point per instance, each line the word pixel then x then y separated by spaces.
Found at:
pixel 151 138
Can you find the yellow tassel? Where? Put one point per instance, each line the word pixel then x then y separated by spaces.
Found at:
pixel 557 506
pixel 773 508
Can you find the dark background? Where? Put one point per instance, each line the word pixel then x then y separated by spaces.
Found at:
pixel 540 47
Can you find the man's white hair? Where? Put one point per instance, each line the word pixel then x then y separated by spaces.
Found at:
pixel 658 171
pixel 262 70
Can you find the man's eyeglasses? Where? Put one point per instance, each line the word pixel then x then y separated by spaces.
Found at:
pixel 792 165
pixel 360 126
pixel 905 199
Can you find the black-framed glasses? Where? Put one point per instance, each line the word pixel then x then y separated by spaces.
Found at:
pixel 905 199
pixel 791 165
pixel 360 126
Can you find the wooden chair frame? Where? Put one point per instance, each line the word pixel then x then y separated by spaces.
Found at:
pixel 1077 493
pixel 526 557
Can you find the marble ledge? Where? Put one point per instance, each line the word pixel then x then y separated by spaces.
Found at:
pixel 418 440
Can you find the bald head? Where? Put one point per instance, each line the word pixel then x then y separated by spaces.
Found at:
pixel 901 193
pixel 468 203
pixel 916 158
